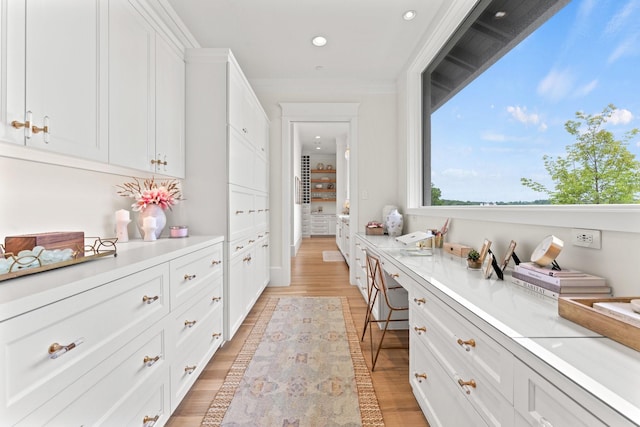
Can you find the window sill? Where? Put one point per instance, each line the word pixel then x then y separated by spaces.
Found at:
pixel 624 218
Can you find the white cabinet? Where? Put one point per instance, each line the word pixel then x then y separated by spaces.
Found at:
pixel 143 332
pixel 50 86
pixel 230 192
pixel 146 94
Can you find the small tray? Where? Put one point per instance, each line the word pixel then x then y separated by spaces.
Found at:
pixel 581 311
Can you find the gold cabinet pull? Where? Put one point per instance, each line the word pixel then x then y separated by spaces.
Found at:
pixel 395 275
pixel 159 162
pixel 148 421
pixel 216 335
pixel 239 212
pixel 149 300
pixel 420 301
pixel 44 129
pixel 251 210
pixel 189 323
pixel 149 361
pixel 420 377
pixel 420 329
pixel 252 241
pixel 216 262
pixel 239 247
pixel 26 124
pixel 265 246
pixel 189 276
pixel 19 125
pixel 470 383
pixel 190 369
pixel 247 258
pixel 56 350
pixel 216 299
pixel 467 344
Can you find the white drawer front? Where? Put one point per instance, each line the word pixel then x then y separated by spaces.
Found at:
pixel 190 317
pixel 398 275
pixel 115 390
pixel 104 319
pixel 540 403
pixel 440 400
pixel 190 273
pixel 242 212
pixel 194 356
pixel 479 354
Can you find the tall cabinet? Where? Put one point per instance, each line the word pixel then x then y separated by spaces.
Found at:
pixel 227 181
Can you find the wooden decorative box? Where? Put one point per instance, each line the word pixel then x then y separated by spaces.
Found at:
pixel 581 311
pixel 53 240
pixel 374 231
pixel 456 249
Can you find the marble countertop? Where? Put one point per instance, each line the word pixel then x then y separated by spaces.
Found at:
pixel 30 292
pixel 529 323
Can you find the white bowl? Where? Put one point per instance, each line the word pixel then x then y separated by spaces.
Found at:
pixel 635 305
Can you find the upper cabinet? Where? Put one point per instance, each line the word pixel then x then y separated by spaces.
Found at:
pixel 53 92
pixel 146 94
pixel 97 79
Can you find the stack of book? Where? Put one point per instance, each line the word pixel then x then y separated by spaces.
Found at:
pixel 558 283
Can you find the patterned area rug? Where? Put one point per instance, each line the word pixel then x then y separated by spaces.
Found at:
pixel 301 366
pixel 332 256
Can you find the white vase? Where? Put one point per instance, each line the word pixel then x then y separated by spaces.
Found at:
pixel 152 211
pixel 385 213
pixel 394 223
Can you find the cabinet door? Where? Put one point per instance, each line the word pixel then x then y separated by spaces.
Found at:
pixel 62 76
pixel 12 59
pixel 237 297
pixel 170 109
pixel 131 87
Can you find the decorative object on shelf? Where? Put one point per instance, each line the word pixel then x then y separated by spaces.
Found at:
pixel 122 221
pixel 179 231
pixel 331 186
pixel 385 212
pixel 547 252
pixel 151 199
pixel 484 250
pixel 510 254
pixel 51 240
pixel 320 166
pixel 150 222
pixel 374 228
pixel 318 186
pixel 473 260
pixel 394 222
pixel 38 259
pixel 329 167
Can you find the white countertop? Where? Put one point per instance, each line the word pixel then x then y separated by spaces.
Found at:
pixel 602 367
pixel 29 292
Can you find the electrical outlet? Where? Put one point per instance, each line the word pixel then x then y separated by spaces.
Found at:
pixel 585 238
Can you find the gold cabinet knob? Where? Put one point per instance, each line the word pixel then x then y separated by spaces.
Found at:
pixel 420 377
pixel 149 300
pixel 149 361
pixel 189 323
pixel 56 350
pixel 216 262
pixel 189 276
pixel 470 383
pixel 148 421
pixel 247 258
pixel 395 275
pixel 216 299
pixel 467 344
pixel 190 369
pixel 216 335
pixel 420 301
pixel 420 329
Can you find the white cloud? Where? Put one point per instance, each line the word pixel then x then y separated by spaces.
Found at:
pixel 496 137
pixel 620 117
pixel 587 89
pixel 459 173
pixel 627 47
pixel 621 18
pixel 521 115
pixel 543 127
pixel 556 85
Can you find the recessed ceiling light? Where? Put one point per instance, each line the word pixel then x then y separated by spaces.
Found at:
pixel 317 136
pixel 319 67
pixel 500 14
pixel 409 15
pixel 318 147
pixel 319 41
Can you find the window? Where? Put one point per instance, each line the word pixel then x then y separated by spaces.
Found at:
pixel 497 97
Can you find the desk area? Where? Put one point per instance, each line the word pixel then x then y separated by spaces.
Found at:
pixel 495 352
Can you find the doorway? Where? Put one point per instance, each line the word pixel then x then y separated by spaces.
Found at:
pixel 292 113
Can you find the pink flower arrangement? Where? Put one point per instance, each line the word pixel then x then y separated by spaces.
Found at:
pixel 163 193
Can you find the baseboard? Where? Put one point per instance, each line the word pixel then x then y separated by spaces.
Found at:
pixel 276 277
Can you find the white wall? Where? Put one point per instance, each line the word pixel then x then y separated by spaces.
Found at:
pixel 296 235
pixel 377 136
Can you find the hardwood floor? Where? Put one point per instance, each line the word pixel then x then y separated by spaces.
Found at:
pixel 310 276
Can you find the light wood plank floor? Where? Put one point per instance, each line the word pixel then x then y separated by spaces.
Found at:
pixel 310 276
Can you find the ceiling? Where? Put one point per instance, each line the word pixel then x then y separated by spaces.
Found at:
pixel 271 39
pixel 328 132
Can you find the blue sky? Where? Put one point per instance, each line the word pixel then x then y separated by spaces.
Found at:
pixel 497 129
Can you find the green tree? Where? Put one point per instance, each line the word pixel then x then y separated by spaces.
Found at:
pixel 436 193
pixel 598 169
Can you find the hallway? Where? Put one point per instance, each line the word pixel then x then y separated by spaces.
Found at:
pixel 310 276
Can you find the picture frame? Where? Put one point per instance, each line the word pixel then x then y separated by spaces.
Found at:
pixel 508 255
pixel 488 268
pixel 484 250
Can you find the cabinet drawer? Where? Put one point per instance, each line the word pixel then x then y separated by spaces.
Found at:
pixel 102 319
pixel 398 275
pixel 540 403
pixel 242 212
pixel 441 402
pixel 189 273
pixel 116 390
pixel 191 316
pixel 191 359
pixel 479 354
